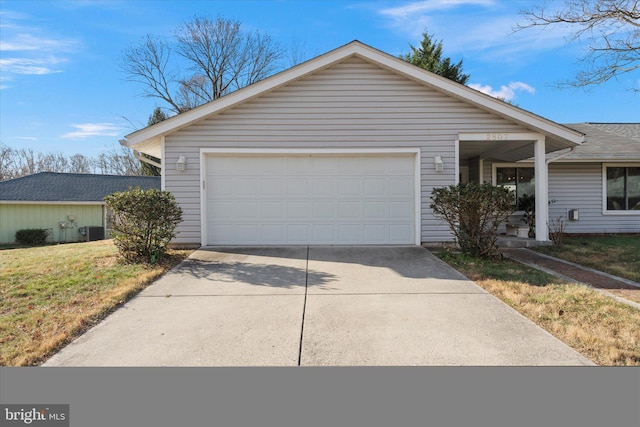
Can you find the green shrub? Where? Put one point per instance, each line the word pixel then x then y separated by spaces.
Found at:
pixel 144 222
pixel 474 212
pixel 32 236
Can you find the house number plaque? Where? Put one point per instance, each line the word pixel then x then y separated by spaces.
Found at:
pixel 497 136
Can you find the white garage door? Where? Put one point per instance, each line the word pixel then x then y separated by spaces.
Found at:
pixel 310 199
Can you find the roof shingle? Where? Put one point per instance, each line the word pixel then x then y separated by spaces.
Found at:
pixel 71 187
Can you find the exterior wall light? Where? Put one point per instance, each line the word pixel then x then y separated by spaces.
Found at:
pixel 438 163
pixel 181 164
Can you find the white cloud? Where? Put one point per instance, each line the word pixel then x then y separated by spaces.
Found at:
pixel 32 52
pixel 410 9
pixel 487 32
pixel 415 17
pixel 28 66
pixel 86 130
pixel 507 92
pixel 29 42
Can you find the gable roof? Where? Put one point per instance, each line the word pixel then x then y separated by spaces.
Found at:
pixel 70 187
pixel 607 141
pixel 148 140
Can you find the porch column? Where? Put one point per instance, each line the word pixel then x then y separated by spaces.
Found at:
pixel 542 191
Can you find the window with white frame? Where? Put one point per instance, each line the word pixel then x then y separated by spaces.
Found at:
pixel 623 188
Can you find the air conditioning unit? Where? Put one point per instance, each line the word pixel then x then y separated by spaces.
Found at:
pixel 94 233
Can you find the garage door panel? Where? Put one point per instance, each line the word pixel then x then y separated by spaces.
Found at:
pixel 400 210
pixel 375 165
pixel 323 187
pixel 321 199
pixel 297 186
pixel 374 210
pixel 246 186
pixel 247 209
pixel 272 186
pixel 222 210
pixel 272 165
pixel 272 210
pixel 296 166
pixel 273 233
pixel 349 186
pixel 323 210
pixel 348 233
pixel 401 186
pixel 220 185
pixel 349 209
pixel 323 233
pixel 298 210
pixel 374 187
pixel 399 233
pixel 375 233
pixel 298 233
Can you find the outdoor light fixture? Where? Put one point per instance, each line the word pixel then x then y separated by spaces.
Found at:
pixel 439 164
pixel 181 164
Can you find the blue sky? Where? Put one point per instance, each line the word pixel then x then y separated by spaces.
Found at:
pixel 61 88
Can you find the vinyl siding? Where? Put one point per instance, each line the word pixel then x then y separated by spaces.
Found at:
pixel 352 104
pixel 579 186
pixel 14 217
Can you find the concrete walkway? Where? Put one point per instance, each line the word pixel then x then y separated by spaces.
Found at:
pixel 316 306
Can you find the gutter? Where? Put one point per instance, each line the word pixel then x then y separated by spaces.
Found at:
pixel 560 156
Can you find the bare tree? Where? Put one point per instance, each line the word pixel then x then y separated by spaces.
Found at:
pixel 613 27
pixel 7 167
pixel 79 163
pixel 52 162
pixel 220 58
pixel 117 162
pixel 15 163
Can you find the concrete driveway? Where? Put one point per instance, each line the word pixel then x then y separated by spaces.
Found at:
pixel 314 306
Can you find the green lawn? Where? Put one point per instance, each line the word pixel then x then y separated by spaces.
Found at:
pixel 617 255
pixel 52 294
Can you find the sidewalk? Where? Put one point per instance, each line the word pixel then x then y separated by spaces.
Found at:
pixel 623 289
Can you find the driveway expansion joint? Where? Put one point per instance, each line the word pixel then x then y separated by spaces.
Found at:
pixel 304 306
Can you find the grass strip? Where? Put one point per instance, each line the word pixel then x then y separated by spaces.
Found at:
pixel 52 294
pixel 600 328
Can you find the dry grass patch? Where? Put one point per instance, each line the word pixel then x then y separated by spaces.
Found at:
pixel 617 255
pixel 50 295
pixel 602 329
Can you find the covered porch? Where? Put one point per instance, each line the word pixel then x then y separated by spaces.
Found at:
pixel 475 152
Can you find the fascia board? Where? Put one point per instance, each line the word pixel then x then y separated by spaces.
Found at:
pixel 476 97
pixel 177 122
pixel 367 53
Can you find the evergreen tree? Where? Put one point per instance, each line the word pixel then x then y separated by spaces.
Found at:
pixel 429 56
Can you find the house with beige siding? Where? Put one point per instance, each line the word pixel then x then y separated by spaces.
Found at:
pixel 346 148
pixel 70 206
